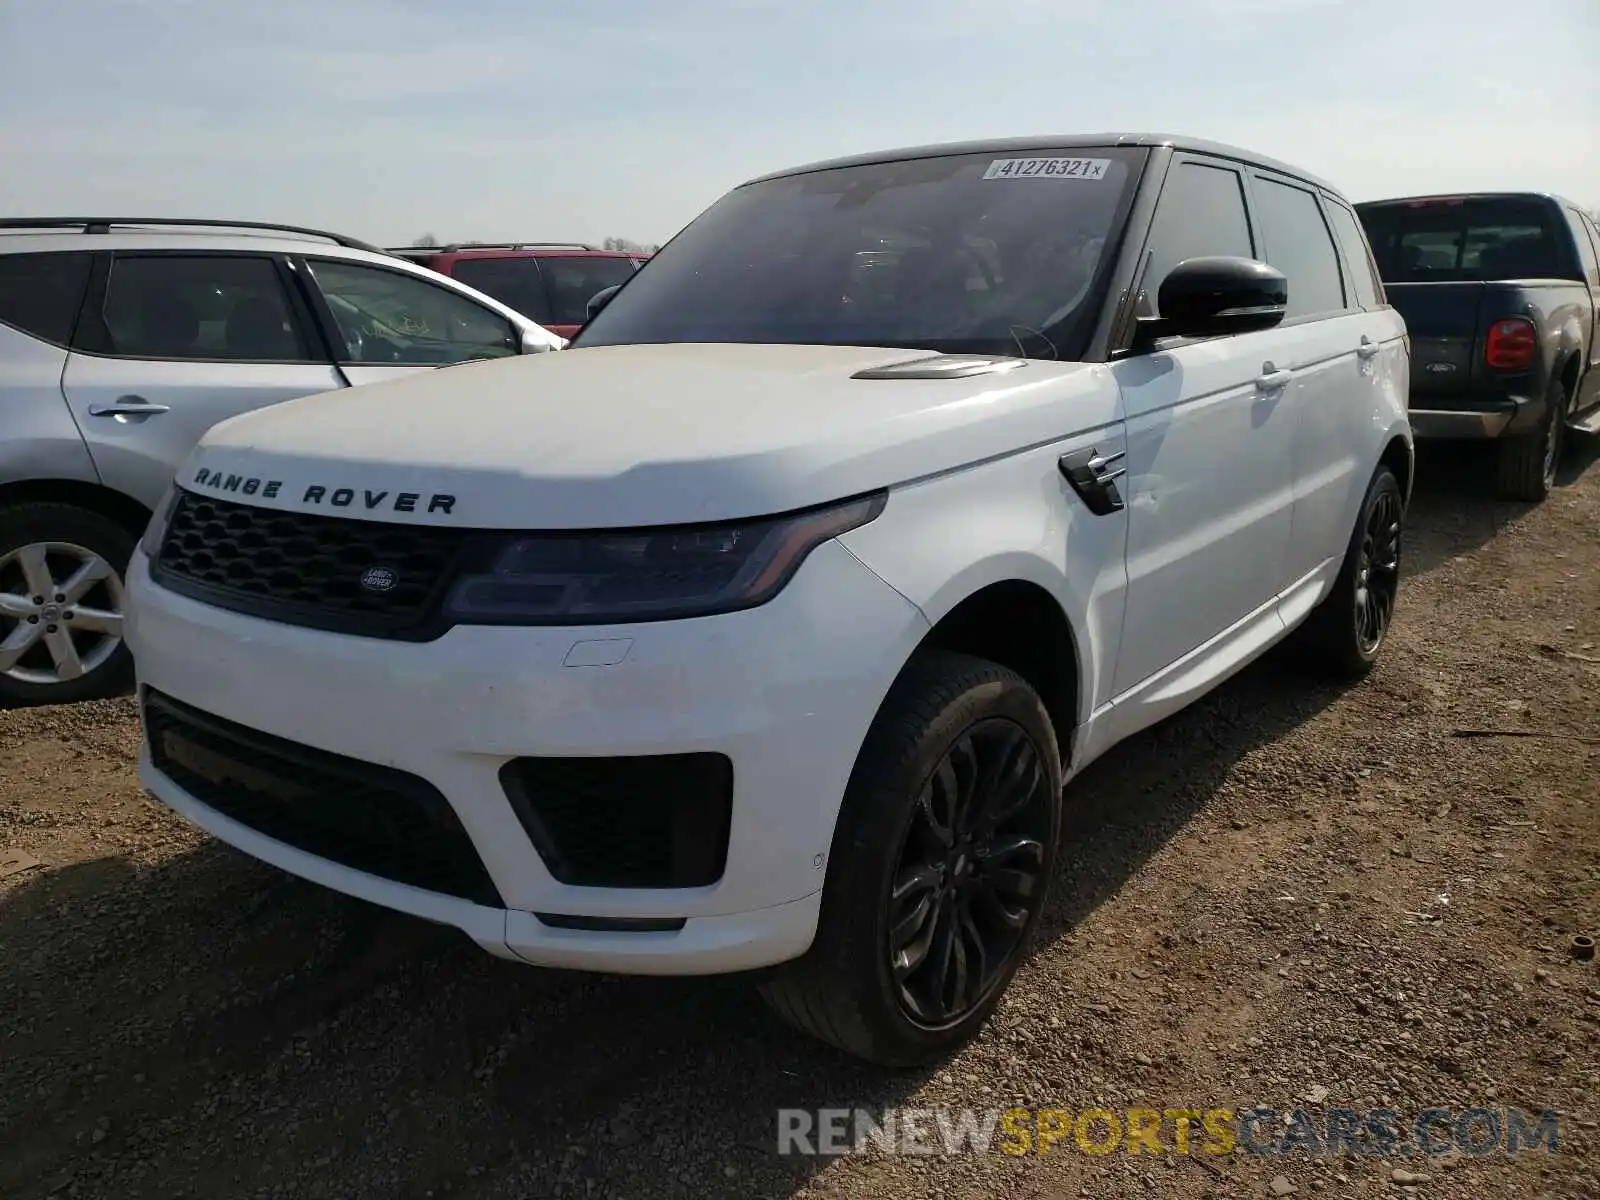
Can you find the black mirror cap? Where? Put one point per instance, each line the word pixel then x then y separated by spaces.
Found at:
pixel 1210 297
pixel 601 298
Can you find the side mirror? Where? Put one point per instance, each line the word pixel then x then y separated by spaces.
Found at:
pixel 601 298
pixel 1213 297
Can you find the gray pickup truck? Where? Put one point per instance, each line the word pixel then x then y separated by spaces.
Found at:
pixel 1501 298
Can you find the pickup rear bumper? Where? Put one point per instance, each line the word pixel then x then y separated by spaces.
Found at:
pixel 1477 418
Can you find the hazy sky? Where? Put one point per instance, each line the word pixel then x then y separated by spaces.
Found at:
pixel 386 119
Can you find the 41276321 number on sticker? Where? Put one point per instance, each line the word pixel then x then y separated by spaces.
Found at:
pixel 1048 168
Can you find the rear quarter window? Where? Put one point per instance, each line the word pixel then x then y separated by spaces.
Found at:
pixel 40 294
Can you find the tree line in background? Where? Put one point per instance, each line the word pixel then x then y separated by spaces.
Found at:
pixel 427 241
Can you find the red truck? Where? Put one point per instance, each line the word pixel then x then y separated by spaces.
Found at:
pixel 549 282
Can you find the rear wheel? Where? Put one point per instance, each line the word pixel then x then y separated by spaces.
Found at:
pixel 1527 467
pixel 61 605
pixel 1346 632
pixel 941 861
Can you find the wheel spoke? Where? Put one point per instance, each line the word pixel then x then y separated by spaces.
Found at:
pixel 65 654
pixel 915 952
pixel 977 954
pixel 923 880
pixel 17 643
pixel 1015 783
pixel 13 605
pixel 36 570
pixel 97 620
pixel 96 570
pixel 951 961
pixel 1006 914
pixel 938 804
pixel 968 770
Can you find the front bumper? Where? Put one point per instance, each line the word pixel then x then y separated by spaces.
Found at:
pixel 786 691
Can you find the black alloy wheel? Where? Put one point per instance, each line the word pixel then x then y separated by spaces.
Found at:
pixel 970 873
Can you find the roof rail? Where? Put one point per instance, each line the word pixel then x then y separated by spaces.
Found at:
pixel 104 224
pixel 452 247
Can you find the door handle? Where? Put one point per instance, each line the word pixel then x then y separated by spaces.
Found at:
pixel 1272 379
pixel 1368 348
pixel 128 406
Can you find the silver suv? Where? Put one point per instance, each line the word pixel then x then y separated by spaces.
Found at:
pixel 122 341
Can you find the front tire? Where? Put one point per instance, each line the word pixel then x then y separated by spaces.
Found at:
pixel 61 605
pixel 941 861
pixel 1346 632
pixel 1527 466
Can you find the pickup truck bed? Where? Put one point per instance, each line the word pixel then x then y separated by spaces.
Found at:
pixel 1501 295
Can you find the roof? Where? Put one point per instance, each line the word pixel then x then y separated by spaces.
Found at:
pixel 1076 141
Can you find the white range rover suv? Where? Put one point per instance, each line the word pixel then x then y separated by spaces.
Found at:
pixel 889 494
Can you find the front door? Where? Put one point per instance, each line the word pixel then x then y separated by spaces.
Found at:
pixel 172 343
pixel 390 323
pixel 1210 440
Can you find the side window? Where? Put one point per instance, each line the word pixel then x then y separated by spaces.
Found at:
pixel 228 308
pixel 1363 275
pixel 575 280
pixel 1298 244
pixel 1586 251
pixel 40 293
pixel 1201 213
pixel 389 318
pixel 515 282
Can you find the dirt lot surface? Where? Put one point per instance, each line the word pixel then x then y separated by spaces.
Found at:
pixel 1289 895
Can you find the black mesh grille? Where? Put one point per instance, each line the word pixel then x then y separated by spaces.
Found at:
pixel 656 821
pixel 306 569
pixel 375 819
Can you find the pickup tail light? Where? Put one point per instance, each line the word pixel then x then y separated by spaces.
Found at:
pixel 1511 345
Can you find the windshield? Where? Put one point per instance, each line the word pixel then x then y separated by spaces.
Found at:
pixel 979 253
pixel 1457 240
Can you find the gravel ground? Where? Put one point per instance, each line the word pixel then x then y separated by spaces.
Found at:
pixel 1289 895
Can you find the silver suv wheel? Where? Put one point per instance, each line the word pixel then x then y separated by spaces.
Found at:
pixel 60 612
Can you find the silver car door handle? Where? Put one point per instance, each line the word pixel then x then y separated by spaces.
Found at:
pixel 1271 378
pixel 128 406
pixel 1368 348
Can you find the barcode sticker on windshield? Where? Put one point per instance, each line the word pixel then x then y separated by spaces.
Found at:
pixel 1048 168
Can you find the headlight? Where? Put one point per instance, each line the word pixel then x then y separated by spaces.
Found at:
pixel 652 574
pixel 155 532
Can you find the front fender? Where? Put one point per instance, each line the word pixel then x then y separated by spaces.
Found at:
pixel 942 540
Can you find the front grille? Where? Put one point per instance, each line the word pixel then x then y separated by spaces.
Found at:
pixel 651 821
pixel 370 818
pixel 306 569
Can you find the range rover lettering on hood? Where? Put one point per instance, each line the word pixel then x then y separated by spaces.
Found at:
pixel 326 495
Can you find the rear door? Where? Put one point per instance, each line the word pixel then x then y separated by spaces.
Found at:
pixel 170 343
pixel 386 323
pixel 1331 344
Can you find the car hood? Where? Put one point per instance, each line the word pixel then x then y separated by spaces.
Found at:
pixel 635 435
